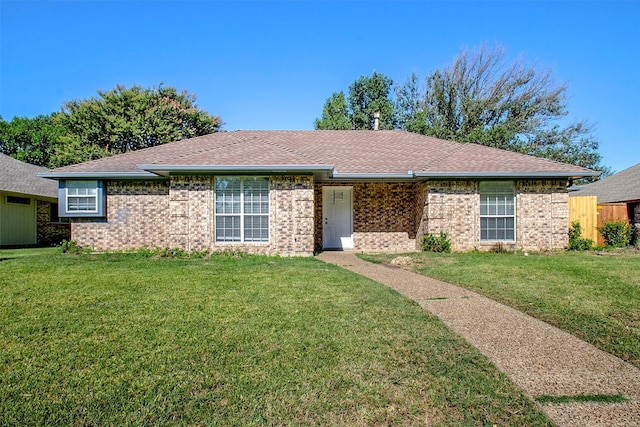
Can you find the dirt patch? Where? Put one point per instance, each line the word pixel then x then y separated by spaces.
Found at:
pixel 402 261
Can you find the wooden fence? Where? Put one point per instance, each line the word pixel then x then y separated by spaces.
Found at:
pixel 584 209
pixel 591 215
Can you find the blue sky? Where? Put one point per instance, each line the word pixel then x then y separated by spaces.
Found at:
pixel 272 65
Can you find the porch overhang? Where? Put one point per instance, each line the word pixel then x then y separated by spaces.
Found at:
pixel 320 171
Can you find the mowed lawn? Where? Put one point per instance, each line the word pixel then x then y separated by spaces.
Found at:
pixel 132 340
pixel 593 296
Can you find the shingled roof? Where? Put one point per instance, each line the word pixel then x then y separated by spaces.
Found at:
pixel 20 178
pixel 341 154
pixel 623 186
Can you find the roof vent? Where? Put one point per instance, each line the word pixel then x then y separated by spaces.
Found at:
pixel 376 120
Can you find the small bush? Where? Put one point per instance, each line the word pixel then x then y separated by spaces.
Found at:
pixel 433 243
pixel 69 247
pixel 616 234
pixel 576 241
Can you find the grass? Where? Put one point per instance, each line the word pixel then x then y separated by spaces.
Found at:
pixel 594 297
pixel 582 398
pixel 121 339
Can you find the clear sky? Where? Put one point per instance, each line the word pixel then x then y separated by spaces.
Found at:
pixel 272 65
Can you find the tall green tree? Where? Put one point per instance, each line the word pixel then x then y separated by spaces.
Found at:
pixel 367 96
pixel 30 140
pixel 125 119
pixel 482 98
pixel 370 95
pixel 335 114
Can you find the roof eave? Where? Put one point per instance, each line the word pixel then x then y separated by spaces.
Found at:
pixel 348 177
pixel 167 170
pixel 505 175
pixel 98 175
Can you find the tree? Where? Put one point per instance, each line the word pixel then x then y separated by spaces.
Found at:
pixel 29 140
pixel 367 96
pixel 126 119
pixel 481 98
pixel 335 114
pixel 370 95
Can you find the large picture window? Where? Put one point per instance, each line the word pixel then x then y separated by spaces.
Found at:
pixel 81 199
pixel 242 209
pixel 497 211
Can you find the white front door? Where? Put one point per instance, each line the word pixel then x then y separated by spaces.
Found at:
pixel 337 230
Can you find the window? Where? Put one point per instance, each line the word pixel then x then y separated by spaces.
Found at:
pixel 242 209
pixel 497 211
pixel 81 198
pixel 54 216
pixel 18 200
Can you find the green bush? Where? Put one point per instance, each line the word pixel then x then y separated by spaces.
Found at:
pixel 433 243
pixel 576 241
pixel 69 247
pixel 616 234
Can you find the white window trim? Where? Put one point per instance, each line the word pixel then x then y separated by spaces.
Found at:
pixel 241 215
pixel 514 216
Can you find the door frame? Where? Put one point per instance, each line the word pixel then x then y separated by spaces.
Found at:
pixel 345 242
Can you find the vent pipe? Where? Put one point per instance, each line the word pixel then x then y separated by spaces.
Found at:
pixel 376 120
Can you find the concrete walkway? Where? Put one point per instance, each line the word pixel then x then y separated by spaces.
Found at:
pixel 539 358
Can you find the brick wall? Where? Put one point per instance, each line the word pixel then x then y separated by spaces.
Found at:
pixel 454 208
pixel 179 213
pixel 542 216
pixel 191 214
pixel 395 216
pixel 137 217
pixel 50 234
pixel 290 220
pixel 384 216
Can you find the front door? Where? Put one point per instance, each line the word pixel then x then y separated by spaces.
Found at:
pixel 337 230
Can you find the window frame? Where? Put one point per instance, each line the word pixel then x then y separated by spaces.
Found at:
pixel 242 213
pixel 54 214
pixel 17 200
pixel 499 189
pixel 64 196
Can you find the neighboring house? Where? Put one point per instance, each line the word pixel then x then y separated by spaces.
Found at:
pixel 620 188
pixel 28 206
pixel 299 192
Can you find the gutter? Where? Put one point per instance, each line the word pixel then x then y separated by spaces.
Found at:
pixel 98 175
pixel 163 171
pixel 166 170
pixel 504 175
pixel 373 176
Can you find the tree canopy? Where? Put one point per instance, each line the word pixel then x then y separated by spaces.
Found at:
pixel 480 98
pixel 29 140
pixel 367 96
pixel 119 120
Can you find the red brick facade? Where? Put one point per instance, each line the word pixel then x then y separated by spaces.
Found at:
pixel 179 213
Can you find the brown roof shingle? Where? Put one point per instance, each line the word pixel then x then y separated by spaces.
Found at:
pixel 20 178
pixel 350 152
pixel 621 187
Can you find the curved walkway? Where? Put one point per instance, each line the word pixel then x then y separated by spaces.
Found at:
pixel 541 359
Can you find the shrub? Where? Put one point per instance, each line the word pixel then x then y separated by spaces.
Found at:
pixel 69 247
pixel 616 234
pixel 576 241
pixel 433 243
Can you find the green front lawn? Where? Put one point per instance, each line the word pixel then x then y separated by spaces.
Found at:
pixel 595 297
pixel 123 339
